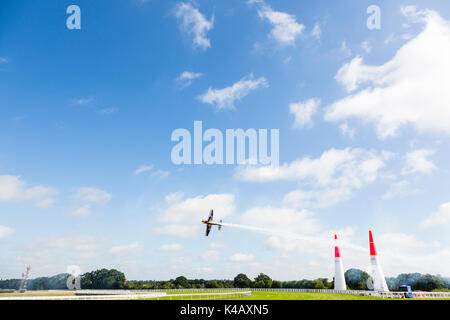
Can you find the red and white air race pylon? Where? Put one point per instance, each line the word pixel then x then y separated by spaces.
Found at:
pixel 339 278
pixel 379 281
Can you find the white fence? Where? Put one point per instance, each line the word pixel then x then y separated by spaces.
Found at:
pixel 389 295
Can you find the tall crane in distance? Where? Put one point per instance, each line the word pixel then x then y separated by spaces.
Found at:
pixel 23 283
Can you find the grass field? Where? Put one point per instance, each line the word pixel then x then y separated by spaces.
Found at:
pixel 264 295
pixel 256 295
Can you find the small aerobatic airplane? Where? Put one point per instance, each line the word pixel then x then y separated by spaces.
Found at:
pixel 209 223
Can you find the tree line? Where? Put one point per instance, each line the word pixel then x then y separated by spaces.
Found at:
pixel 113 279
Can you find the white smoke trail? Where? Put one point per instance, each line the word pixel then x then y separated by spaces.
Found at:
pixel 287 234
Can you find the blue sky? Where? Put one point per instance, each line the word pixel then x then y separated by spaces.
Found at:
pixel 364 136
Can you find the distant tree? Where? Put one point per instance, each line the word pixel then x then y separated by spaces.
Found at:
pixel 103 279
pixel 241 281
pixel 276 284
pixel 181 282
pixel 212 284
pixel 41 283
pixel 408 279
pixel 429 282
pixel 318 284
pixel 356 279
pixel 265 279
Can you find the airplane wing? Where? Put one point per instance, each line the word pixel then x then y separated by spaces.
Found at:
pixel 208 229
pixel 211 214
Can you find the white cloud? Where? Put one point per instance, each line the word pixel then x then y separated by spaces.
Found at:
pixel 91 195
pixel 13 188
pixel 402 243
pixel 78 243
pixel 82 101
pixel 322 198
pixel 303 112
pixel 45 203
pixel 316 32
pixel 170 247
pixel 285 28
pixel 126 249
pixel 161 174
pixel 333 167
pixel 186 78
pixel 183 216
pixel 178 230
pixel 82 211
pixel 108 111
pixel 210 255
pixel 347 131
pixel 366 46
pixel 195 24
pixel 410 89
pixel 333 177
pixel 5 232
pixel 225 98
pixel 3 60
pixel 218 245
pixel 280 219
pixel 143 168
pixel 392 37
pixel 417 162
pixel 400 189
pixel 438 218
pixel 346 51
pixel 242 257
pixel 174 197
pixel 86 197
pixel 197 208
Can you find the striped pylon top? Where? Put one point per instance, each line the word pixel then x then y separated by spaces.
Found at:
pixel 373 251
pixel 337 253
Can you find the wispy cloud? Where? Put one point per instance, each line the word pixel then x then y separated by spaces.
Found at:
pixel 5 232
pixel 108 111
pixel 226 97
pixel 365 45
pixel 126 249
pixel 86 198
pixel 303 112
pixel 316 32
pixel 82 101
pixel 13 188
pixel 194 24
pixel 345 50
pixel 186 78
pixel 170 247
pixel 401 91
pixel 242 257
pixel 438 218
pixel 143 168
pixel 285 28
pixel 417 162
